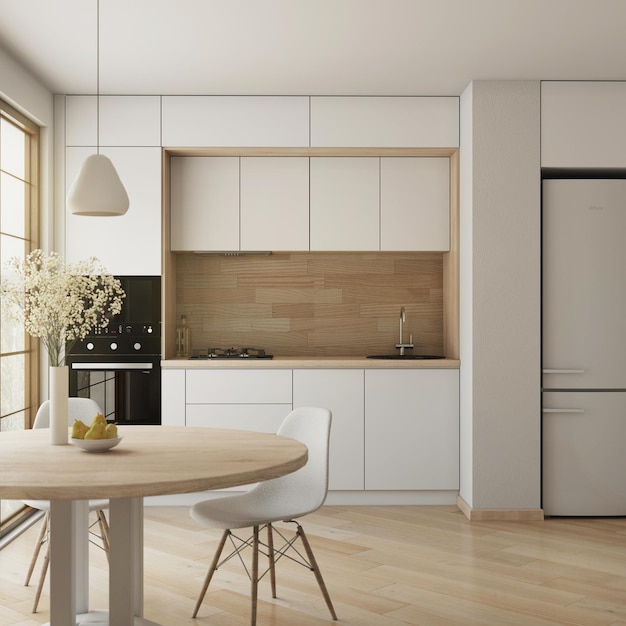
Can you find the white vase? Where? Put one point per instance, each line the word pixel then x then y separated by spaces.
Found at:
pixel 59 390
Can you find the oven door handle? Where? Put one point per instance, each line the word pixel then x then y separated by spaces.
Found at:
pixel 112 366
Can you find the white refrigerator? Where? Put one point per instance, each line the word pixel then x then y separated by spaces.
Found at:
pixel 584 347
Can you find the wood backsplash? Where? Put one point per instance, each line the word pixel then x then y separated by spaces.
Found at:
pixel 312 304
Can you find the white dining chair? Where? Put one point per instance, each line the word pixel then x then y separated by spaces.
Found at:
pixel 84 409
pixel 281 499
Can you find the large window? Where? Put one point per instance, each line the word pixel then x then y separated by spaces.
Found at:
pixel 19 156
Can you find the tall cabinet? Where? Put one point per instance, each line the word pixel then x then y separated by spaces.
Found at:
pixel 129 134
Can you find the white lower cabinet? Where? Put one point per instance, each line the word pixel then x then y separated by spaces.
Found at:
pixel 243 399
pixel 173 407
pixel 264 418
pixel 392 430
pixel 411 429
pixel 341 391
pixel 230 386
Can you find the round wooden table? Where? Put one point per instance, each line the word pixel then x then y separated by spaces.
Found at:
pixel 150 461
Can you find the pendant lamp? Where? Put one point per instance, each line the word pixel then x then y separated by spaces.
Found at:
pixel 97 190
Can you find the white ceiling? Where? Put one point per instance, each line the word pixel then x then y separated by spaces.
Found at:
pixel 348 47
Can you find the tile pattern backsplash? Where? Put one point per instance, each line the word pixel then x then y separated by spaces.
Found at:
pixel 312 304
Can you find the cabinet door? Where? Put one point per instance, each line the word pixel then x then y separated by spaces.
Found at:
pixel 412 429
pixel 230 386
pixel 383 121
pixel 345 203
pixel 274 203
pixel 414 203
pixel 173 397
pixel 582 123
pixel 200 121
pixel 265 418
pixel 204 203
pixel 123 120
pixel 341 391
pixel 81 121
pixel 131 243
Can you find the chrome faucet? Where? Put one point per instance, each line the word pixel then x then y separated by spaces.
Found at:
pixel 401 344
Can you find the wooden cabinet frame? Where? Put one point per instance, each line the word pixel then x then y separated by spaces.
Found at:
pixel 450 259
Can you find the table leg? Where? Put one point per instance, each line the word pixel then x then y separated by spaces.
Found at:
pixel 126 560
pixel 69 565
pixel 69 561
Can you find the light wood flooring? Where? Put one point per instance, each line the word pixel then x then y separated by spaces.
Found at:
pixel 384 566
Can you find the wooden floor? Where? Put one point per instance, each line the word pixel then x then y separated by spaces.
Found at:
pixel 384 566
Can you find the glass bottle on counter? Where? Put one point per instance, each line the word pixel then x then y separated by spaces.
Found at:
pixel 183 337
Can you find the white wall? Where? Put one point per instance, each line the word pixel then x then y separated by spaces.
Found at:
pixel 465 293
pixel 30 97
pixel 500 297
pixel 500 278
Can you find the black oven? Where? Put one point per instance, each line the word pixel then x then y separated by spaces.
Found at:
pixel 119 365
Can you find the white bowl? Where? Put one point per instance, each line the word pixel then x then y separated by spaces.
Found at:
pixel 96 445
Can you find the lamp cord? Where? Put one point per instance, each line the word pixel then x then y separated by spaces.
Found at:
pixel 98 76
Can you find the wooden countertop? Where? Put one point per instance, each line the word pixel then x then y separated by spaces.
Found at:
pixel 309 362
pixel 149 461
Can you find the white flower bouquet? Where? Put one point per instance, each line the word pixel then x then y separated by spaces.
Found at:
pixel 59 302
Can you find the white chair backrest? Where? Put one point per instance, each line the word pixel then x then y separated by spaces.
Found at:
pixel 84 409
pixel 304 490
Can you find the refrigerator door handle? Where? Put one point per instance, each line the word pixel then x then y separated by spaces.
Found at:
pixel 563 410
pixel 562 371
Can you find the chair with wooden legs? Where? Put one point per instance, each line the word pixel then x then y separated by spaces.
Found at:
pixel 83 409
pixel 282 499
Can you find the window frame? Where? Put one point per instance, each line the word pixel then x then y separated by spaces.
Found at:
pixel 31 242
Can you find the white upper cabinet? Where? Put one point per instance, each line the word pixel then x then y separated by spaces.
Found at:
pixel 201 121
pixel 81 120
pixel 204 203
pixel 124 121
pixel 430 122
pixel 275 203
pixel 414 203
pixel 344 203
pixel 317 203
pixel 583 124
pixel 131 243
pixel 232 203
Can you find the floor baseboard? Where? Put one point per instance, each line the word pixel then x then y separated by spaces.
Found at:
pixel 510 515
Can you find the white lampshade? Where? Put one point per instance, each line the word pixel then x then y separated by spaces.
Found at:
pixel 97 190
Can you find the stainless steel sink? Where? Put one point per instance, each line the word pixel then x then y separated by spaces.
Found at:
pixel 406 357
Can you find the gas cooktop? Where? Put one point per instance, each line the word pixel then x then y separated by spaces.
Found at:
pixel 229 353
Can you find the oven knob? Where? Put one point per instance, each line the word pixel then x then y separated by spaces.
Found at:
pixel 137 345
pixel 113 346
pixel 149 329
pixel 129 329
pixel 90 346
